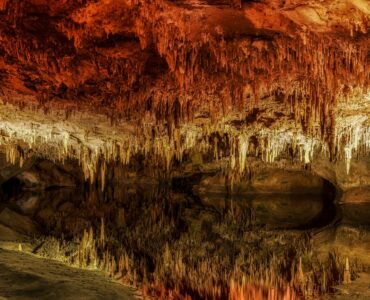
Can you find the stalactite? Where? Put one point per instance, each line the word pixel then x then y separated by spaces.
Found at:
pixel 286 69
pixel 11 154
pixel 243 152
pixel 94 155
pixel 352 131
pixel 312 61
pixel 103 167
pixel 3 4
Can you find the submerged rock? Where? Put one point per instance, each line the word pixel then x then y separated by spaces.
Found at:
pixel 17 222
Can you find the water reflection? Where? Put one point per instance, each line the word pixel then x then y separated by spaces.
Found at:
pixel 122 205
pixel 177 246
pixel 273 211
pixel 356 214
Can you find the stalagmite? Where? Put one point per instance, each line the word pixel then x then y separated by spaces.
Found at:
pixel 346 274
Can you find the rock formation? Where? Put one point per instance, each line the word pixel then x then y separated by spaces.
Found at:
pixel 165 83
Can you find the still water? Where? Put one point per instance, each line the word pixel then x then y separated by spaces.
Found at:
pixel 172 244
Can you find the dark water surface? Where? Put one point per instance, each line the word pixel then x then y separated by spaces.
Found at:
pixel 163 240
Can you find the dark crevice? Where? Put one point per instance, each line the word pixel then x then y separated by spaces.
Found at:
pixel 11 188
pixel 330 213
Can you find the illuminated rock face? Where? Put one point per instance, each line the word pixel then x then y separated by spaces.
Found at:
pixel 224 82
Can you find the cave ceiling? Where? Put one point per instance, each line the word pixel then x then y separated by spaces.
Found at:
pixel 113 78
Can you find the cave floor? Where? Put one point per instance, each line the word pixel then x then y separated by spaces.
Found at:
pixel 25 276
pixel 358 289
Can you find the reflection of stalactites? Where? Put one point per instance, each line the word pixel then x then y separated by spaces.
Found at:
pixel 89 161
pixel 102 233
pixel 103 167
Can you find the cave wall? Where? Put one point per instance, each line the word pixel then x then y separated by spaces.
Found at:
pixel 355 186
pixel 156 82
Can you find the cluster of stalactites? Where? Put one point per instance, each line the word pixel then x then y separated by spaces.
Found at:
pixel 222 142
pixel 353 138
pixel 352 130
pixel 270 146
pixel 310 73
pixel 14 155
pixel 220 73
pixel 225 143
